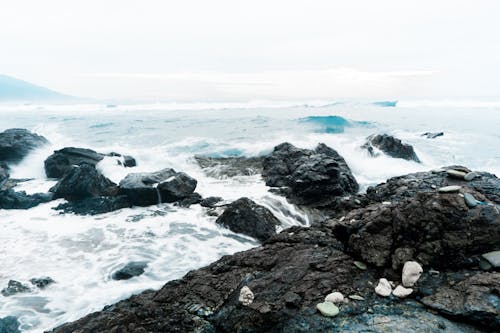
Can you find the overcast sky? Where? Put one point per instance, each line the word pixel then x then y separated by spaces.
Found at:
pixel 230 50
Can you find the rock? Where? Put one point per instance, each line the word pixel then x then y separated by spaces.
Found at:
pixel 471 175
pixel 401 291
pixel 308 177
pixel 356 297
pixel 83 181
pixel 474 299
pixel 334 297
pixel 455 174
pixel 192 199
pixel 95 205
pixel 246 217
pixel 450 189
pixel 4 173
pixel 130 270
pixel 42 282
pixel 493 258
pixel 246 296
pixel 411 273
pixel 61 161
pixel 359 264
pixel 14 287
pixel 9 324
pixel 430 135
pixel 16 143
pixel 328 309
pixel 470 201
pixel 10 199
pixel 220 167
pixel 210 202
pixel 390 146
pixel 383 288
pixel 177 187
pixel 141 187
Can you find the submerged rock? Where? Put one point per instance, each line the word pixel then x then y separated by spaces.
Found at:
pixel 308 177
pixel 210 202
pixel 220 167
pixel 16 143
pixel 130 270
pixel 14 287
pixel 390 146
pixel 9 324
pixel 246 217
pixel 95 205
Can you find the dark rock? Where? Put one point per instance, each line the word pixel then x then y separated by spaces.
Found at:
pixel 57 164
pixel 192 199
pixel 42 282
pixel 16 143
pixel 432 135
pixel 130 270
pixel 210 202
pixel 83 181
pixel 14 287
pixel 308 177
pixel 10 199
pixel 246 217
pixel 176 187
pixel 220 167
pixel 4 173
pixel 9 324
pixel 141 187
pixel 390 146
pixel 95 205
pixel 475 299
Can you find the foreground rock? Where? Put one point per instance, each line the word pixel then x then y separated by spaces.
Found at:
pixel 390 146
pixel 296 269
pixel 57 164
pixel 308 177
pixel 246 217
pixel 220 167
pixel 10 199
pixel 16 143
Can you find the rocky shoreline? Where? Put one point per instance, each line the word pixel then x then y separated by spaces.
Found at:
pixel 348 272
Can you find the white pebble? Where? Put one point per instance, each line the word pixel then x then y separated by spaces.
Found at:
pixel 383 288
pixel 411 273
pixel 334 297
pixel 246 296
pixel 401 291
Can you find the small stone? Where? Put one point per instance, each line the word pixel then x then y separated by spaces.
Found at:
pixel 383 288
pixel 484 264
pixel 455 174
pixel 14 287
pixel 401 291
pixel 361 265
pixel 42 282
pixel 334 297
pixel 328 309
pixel 130 270
pixel 493 258
pixel 411 273
pixel 246 296
pixel 449 189
pixel 356 297
pixel 470 176
pixel 470 201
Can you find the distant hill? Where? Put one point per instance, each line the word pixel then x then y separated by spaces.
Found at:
pixel 15 90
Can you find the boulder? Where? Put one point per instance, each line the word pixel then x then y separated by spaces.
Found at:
pixel 308 177
pixel 10 199
pixel 177 187
pixel 9 324
pixel 95 205
pixel 14 287
pixel 130 270
pixel 221 167
pixel 61 161
pixel 390 146
pixel 246 217
pixel 83 181
pixel 16 143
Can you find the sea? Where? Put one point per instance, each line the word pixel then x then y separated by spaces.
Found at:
pixel 80 253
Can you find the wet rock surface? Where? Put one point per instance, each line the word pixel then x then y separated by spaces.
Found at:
pixel 296 269
pixel 391 146
pixel 95 205
pixel 130 270
pixel 220 167
pixel 10 199
pixel 246 217
pixel 14 287
pixel 308 177
pixel 16 143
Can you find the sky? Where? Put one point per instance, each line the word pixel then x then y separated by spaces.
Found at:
pixel 232 50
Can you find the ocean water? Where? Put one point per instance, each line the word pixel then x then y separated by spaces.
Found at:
pixel 81 252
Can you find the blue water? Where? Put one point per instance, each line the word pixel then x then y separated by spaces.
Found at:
pixel 80 253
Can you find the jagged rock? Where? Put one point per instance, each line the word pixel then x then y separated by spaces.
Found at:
pixel 10 199
pixel 95 205
pixel 14 287
pixel 9 324
pixel 246 217
pixel 308 177
pixel 16 143
pixel 220 167
pixel 390 146
pixel 130 270
pixel 83 181
pixel 42 282
pixel 411 273
pixel 61 161
pixel 177 187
